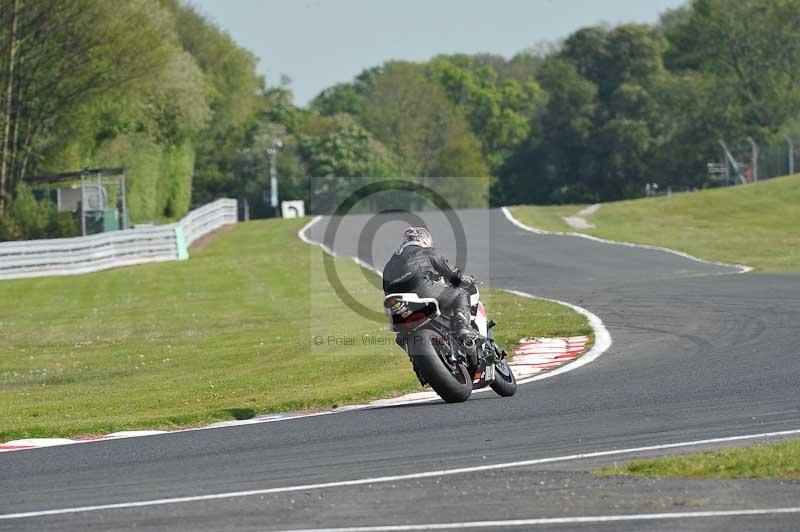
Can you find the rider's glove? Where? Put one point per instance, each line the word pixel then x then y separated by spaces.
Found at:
pixel 467 280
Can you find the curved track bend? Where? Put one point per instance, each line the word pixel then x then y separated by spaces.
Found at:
pixel 698 353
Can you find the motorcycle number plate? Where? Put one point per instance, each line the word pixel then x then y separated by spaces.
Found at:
pixel 488 374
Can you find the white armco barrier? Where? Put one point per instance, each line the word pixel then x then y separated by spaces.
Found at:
pixel 71 256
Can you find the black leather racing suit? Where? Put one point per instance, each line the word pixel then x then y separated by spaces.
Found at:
pixel 415 269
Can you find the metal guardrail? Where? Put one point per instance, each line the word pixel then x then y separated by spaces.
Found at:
pixel 211 217
pixel 72 256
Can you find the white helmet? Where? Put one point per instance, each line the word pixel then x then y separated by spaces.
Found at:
pixel 416 236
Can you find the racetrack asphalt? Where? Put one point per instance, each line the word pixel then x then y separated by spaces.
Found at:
pixel 698 352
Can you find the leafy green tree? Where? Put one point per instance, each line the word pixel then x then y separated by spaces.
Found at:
pixel 236 99
pixel 148 127
pixel 176 105
pixel 748 47
pixel 342 98
pixel 624 149
pixel 498 111
pixel 349 151
pixel 461 157
pixel 610 57
pixel 635 54
pixel 603 123
pixel 279 109
pixel 694 113
pixel 342 160
pixel 28 219
pixel 588 49
pixel 346 98
pixel 568 124
pixel 252 164
pixel 673 18
pixel 413 117
pixel 52 68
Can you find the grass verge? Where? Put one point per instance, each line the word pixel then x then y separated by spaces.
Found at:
pixel 224 335
pixel 780 460
pixel 756 224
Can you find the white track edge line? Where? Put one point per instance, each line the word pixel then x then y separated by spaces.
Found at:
pixel 510 217
pixel 301 234
pixel 602 338
pixel 395 478
pixel 559 520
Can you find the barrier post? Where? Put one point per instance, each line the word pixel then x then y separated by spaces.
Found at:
pixel 180 243
pixel 83 204
pixel 753 158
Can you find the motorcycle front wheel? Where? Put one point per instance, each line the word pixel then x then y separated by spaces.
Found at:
pixel 505 384
pixel 450 380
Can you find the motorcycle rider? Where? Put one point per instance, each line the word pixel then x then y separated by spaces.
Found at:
pixel 416 267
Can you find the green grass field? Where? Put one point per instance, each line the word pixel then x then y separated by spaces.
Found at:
pixel 226 334
pixel 757 225
pixel 781 460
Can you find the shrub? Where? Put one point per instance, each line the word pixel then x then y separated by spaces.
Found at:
pixel 28 219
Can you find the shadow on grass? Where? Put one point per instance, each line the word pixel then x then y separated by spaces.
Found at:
pixel 241 413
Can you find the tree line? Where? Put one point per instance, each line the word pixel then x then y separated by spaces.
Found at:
pixel 154 86
pixel 640 104
pixel 600 114
pixel 150 85
pixel 592 118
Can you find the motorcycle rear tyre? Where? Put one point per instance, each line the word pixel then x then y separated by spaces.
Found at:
pixel 452 383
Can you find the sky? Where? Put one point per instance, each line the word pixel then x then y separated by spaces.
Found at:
pixel 318 43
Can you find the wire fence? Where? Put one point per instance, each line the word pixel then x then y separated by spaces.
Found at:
pixel 752 162
pixel 740 164
pixel 779 160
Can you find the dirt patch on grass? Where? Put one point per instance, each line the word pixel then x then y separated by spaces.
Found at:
pixel 202 243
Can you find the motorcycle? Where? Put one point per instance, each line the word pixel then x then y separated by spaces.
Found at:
pixel 438 356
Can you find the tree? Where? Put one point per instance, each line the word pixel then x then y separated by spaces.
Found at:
pixel 498 111
pixel 251 169
pixel 694 111
pixel 634 52
pixel 349 151
pixel 341 161
pixel 412 116
pixel 749 47
pixel 610 57
pixel 603 123
pixel 236 99
pixel 555 166
pixel 53 67
pixel 346 98
pixel 623 147
pixel 673 18
pixel 28 219
pixel 149 127
pixel 588 50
